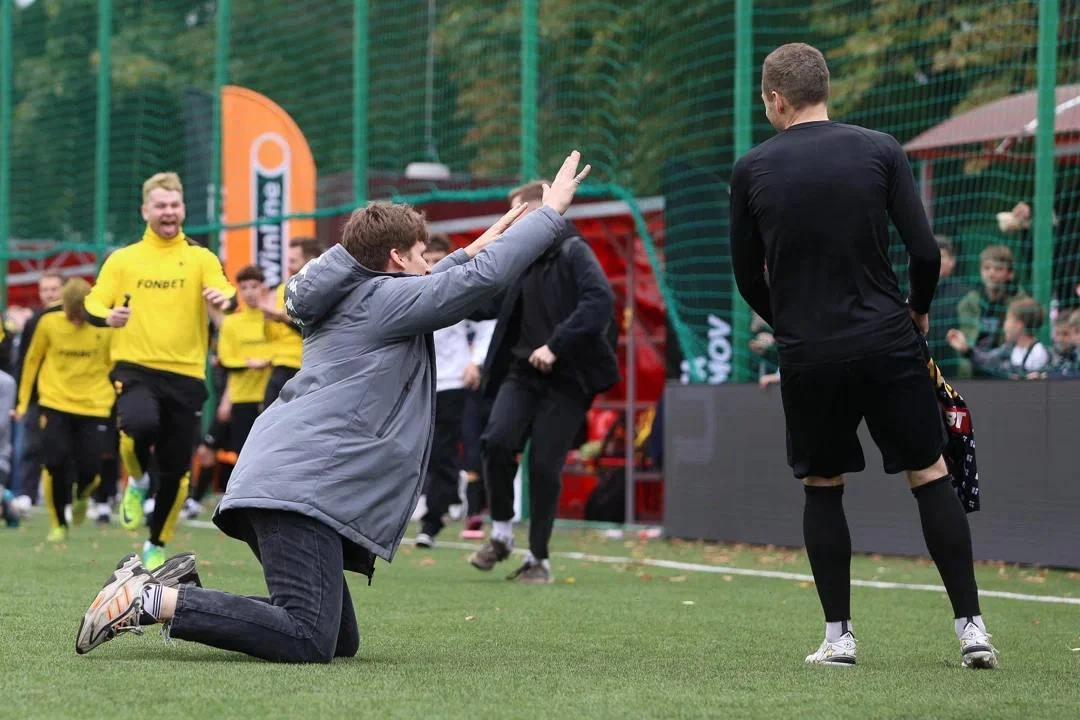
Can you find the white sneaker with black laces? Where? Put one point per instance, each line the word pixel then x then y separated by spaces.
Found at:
pixel 975 648
pixel 840 653
pixel 116 608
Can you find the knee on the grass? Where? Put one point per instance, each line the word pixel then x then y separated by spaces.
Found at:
pixel 307 650
pixel 347 647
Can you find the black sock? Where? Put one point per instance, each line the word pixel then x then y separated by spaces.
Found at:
pixel 948 538
pixel 828 545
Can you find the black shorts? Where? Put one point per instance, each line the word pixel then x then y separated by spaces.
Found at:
pixel 279 375
pixel 161 409
pixel 825 404
pixel 76 439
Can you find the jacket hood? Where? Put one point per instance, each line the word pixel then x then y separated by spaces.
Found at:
pixel 321 284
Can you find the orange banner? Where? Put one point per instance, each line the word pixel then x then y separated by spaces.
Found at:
pixel 267 170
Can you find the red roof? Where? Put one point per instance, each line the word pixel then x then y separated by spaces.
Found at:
pixel 1010 118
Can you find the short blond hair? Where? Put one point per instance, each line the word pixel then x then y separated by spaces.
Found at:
pixel 164 181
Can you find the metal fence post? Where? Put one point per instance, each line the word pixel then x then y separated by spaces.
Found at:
pixel 630 435
pixel 7 77
pixel 744 48
pixel 360 102
pixel 1043 223
pixel 102 129
pixel 214 214
pixel 530 62
pixel 221 78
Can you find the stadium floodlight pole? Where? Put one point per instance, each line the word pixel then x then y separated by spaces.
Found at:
pixel 360 102
pixel 7 73
pixel 221 77
pixel 101 130
pixel 1043 221
pixel 530 67
pixel 744 45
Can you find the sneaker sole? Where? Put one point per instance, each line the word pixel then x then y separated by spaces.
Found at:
pixel 480 566
pixel 525 581
pixel 105 596
pixel 836 662
pixel 980 660
pixel 178 570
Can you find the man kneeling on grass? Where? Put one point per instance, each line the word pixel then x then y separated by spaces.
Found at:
pixel 332 471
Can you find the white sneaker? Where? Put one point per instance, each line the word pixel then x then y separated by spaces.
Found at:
pixel 423 540
pixel 975 648
pixel 116 608
pixel 191 509
pixel 23 505
pixel 148 508
pixel 840 653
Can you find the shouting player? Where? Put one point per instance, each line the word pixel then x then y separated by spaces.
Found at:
pixel 156 293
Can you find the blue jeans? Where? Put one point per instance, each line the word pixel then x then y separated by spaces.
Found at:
pixel 26 468
pixel 309 615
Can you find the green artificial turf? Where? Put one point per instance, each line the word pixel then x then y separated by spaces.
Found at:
pixel 619 640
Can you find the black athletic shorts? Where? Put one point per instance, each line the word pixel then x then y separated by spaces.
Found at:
pixel 824 405
pixel 279 375
pixel 161 409
pixel 76 439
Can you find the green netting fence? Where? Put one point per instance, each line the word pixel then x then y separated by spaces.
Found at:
pixel 661 96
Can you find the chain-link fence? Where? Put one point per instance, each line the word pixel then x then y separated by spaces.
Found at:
pixel 661 97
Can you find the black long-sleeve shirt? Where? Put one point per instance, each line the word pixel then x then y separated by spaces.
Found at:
pixel 810 212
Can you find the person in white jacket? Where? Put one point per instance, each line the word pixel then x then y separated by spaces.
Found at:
pixel 457 365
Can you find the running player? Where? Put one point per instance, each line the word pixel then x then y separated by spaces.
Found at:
pixel 156 293
pixel 69 359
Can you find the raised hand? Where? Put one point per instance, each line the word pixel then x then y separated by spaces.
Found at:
pixel 560 193
pixel 494 232
pixel 957 341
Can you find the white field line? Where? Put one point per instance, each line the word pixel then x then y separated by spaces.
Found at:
pixel 749 572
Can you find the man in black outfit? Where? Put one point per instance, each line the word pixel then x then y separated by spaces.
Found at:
pixel 549 356
pixel 809 238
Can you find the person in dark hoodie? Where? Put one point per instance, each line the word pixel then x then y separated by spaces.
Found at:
pixel 550 355
pixel 332 470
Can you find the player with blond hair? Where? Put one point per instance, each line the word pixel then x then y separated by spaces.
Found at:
pixel 156 294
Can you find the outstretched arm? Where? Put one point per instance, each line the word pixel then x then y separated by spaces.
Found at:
pixel 416 305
